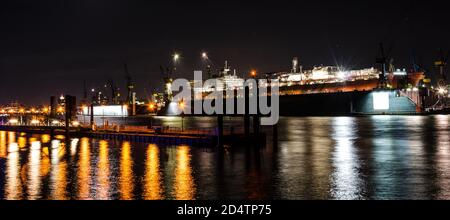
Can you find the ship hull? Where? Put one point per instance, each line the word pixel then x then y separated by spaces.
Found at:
pixel 346 103
pixel 337 104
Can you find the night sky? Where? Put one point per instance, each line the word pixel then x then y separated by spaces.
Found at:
pixel 51 47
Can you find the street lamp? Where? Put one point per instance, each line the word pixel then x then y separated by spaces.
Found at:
pixel 205 55
pixel 176 57
pixel 253 73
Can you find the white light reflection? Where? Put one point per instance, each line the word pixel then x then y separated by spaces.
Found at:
pixel 73 146
pixel 346 181
pixel 442 123
pixel 34 179
pixel 13 188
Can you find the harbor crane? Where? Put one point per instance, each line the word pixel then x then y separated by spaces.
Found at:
pixel 130 85
pixel 382 59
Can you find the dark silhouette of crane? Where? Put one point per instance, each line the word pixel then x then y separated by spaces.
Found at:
pixel 441 63
pixel 167 77
pixel 130 85
pixel 383 59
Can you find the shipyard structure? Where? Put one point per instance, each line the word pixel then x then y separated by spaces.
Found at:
pixel 335 90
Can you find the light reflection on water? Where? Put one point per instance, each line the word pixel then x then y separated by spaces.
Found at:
pixel 153 189
pixel 379 157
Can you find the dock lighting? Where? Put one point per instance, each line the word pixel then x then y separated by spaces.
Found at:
pixel 76 123
pixel 152 106
pixel 342 75
pixel 55 122
pixel 60 109
pixel 176 57
pixel 34 122
pixel 442 91
pixel 22 110
pixel 181 104
pixel 253 73
pixel 205 55
pixel 13 121
pixel 381 101
pixel 45 110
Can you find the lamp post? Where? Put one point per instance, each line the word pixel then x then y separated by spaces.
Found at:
pixel 182 105
pixel 152 109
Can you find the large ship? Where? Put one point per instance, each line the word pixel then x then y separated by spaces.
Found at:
pixel 335 90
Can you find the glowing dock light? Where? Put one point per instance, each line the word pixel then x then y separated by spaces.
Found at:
pixel 55 122
pixel 342 75
pixel 176 57
pixel 151 106
pixel 76 123
pixel 182 105
pixel 400 72
pixel 13 121
pixel 205 55
pixel 253 73
pixel 442 91
pixel 381 100
pixel 34 122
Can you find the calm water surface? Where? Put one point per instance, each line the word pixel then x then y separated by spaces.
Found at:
pixel 380 157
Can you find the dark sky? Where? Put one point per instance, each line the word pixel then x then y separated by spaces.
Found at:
pixel 51 47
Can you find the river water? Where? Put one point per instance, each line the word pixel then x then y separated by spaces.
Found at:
pixel 378 157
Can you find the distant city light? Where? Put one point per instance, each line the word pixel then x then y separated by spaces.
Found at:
pixel 13 121
pixel 442 91
pixel 34 122
pixel 399 72
pixel 176 57
pixel 152 106
pixel 204 55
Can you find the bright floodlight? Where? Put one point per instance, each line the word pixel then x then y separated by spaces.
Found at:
pixel 341 75
pixel 381 100
pixel 176 57
pixel 204 55
pixel 442 91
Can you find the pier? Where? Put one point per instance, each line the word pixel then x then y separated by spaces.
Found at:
pixel 139 134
